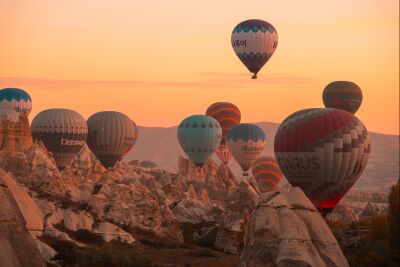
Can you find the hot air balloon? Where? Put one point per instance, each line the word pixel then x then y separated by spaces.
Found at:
pixel 62 131
pixel 245 142
pixel 15 99
pixel 322 151
pixel 254 41
pixel 9 115
pixel 227 115
pixel 199 136
pixel 223 154
pixel 343 95
pixel 111 135
pixel 267 173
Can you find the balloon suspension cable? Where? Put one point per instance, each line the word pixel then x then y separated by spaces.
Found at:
pixel 254 76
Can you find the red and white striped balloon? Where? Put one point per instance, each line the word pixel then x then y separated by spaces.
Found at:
pixel 267 173
pixel 323 151
pixel 223 154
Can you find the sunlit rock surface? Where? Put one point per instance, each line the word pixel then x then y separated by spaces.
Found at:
pixel 285 229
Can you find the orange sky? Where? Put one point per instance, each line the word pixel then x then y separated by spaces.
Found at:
pixel 160 61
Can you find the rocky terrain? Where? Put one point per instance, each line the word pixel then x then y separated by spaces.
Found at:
pixel 142 206
pixel 161 146
pixel 286 230
pixel 358 205
pixel 129 203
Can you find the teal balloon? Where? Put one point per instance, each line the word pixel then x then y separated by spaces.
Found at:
pixel 199 136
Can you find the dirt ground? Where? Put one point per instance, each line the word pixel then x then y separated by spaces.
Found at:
pixel 140 254
pixel 193 257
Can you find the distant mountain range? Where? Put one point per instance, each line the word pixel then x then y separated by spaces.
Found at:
pixel 161 146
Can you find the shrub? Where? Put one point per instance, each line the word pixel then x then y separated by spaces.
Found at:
pixel 86 236
pixel 241 234
pixel 202 253
pixel 96 188
pixel 107 255
pixel 148 164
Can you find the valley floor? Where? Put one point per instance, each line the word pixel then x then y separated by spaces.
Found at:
pixel 119 254
pixel 194 257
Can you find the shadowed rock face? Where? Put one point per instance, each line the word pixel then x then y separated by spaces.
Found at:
pixel 17 247
pixel 285 229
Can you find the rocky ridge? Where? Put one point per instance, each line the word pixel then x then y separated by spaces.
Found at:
pixel 128 200
pixel 285 229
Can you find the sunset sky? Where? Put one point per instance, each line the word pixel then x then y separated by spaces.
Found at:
pixel 161 61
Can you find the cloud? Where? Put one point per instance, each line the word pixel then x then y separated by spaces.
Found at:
pixel 43 29
pixel 267 78
pixel 209 80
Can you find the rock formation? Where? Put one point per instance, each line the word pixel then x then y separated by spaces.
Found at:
pixel 17 246
pixel 343 213
pixel 285 229
pixel 369 211
pixel 131 202
pixel 134 206
pixel 15 136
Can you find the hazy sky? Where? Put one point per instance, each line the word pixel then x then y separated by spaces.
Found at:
pixel 160 61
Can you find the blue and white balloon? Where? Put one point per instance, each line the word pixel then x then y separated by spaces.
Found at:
pixel 15 99
pixel 199 136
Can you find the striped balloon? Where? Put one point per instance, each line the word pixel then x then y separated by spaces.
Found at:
pixel 223 154
pixel 267 173
pixel 62 131
pixel 227 114
pixel 199 136
pixel 112 134
pixel 254 41
pixel 246 142
pixel 343 95
pixel 15 99
pixel 324 152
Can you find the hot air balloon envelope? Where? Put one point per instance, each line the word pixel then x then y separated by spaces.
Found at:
pixel 223 154
pixel 199 136
pixel 267 173
pixel 322 151
pixel 62 131
pixel 227 114
pixel 9 115
pixel 343 95
pixel 111 135
pixel 15 99
pixel 254 41
pixel 246 142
